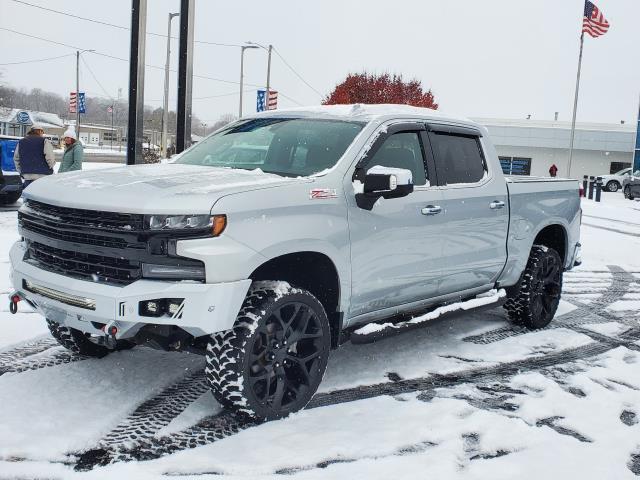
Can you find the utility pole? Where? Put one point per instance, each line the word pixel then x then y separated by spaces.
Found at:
pixel 78 53
pixel 242 49
pixel 165 105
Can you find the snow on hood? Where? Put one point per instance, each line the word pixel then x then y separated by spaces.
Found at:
pixel 157 188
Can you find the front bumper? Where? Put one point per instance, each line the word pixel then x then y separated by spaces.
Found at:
pixel 207 308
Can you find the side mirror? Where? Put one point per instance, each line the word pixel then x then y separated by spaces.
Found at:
pixel 385 182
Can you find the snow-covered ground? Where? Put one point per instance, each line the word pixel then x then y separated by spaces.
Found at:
pixel 469 398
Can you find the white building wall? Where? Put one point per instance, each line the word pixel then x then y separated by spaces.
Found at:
pixel 585 162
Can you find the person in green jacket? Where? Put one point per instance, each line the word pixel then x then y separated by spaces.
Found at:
pixel 72 157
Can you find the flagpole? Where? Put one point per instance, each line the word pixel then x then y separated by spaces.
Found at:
pixel 575 107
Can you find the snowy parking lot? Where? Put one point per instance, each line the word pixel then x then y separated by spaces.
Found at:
pixel 473 397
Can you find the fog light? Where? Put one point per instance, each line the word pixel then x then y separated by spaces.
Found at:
pixel 174 306
pixel 152 308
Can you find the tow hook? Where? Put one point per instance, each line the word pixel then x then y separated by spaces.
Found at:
pixel 13 303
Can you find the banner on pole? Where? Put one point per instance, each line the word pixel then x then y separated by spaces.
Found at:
pixel 262 103
pixel 75 103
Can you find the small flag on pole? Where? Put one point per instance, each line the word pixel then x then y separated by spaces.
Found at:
pixel 73 103
pixel 593 21
pixel 110 109
pixel 272 103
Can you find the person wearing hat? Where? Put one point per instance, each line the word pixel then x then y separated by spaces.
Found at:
pixel 34 157
pixel 72 157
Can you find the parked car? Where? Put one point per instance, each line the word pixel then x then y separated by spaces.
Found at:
pixel 631 186
pixel 10 181
pixel 354 215
pixel 613 182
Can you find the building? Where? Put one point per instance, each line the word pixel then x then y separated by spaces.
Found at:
pixel 15 122
pixel 530 147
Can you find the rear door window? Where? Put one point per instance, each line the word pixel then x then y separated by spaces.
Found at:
pixel 459 158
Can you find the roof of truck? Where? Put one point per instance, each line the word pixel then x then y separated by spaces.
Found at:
pixel 367 113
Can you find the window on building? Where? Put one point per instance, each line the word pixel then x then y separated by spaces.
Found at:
pixel 515 165
pixel 459 157
pixel 617 166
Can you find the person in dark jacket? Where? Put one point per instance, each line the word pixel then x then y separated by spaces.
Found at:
pixel 72 157
pixel 553 170
pixel 34 157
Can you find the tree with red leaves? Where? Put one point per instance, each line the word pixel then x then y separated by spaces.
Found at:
pixel 369 88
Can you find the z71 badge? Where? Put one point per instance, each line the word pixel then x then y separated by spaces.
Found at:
pixel 322 193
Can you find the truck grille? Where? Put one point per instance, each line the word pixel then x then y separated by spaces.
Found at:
pixel 91 245
pixel 85 266
pixel 93 219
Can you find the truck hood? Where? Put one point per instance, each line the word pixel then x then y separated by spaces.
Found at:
pixel 158 188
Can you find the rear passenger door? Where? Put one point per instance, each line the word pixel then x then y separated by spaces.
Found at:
pixel 475 209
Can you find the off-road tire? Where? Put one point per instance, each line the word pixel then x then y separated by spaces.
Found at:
pixel 533 302
pixel 9 198
pixel 75 341
pixel 612 186
pixel 231 356
pixel 627 193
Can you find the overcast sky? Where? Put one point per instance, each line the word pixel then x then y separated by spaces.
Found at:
pixel 494 58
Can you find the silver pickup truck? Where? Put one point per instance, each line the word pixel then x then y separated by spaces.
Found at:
pixel 277 237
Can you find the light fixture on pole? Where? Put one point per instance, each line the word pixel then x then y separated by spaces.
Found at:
pixel 242 49
pixel 165 103
pixel 78 53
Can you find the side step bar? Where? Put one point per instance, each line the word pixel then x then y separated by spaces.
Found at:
pixel 373 332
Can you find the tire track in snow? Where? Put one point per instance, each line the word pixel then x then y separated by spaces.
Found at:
pixel 227 423
pixel 7 357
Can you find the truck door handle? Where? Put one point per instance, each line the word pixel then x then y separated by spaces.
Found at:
pixel 496 204
pixel 431 210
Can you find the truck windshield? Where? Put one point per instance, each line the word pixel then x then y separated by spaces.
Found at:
pixel 285 146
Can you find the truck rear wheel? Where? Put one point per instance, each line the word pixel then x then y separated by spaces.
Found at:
pixel 271 362
pixel 534 301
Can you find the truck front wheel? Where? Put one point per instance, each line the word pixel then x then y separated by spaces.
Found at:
pixel 75 341
pixel 534 301
pixel 271 362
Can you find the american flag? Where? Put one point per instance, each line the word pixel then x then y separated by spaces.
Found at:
pixel 110 109
pixel 272 103
pixel 593 21
pixel 72 102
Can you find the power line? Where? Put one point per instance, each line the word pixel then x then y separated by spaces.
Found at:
pixel 36 61
pixel 296 73
pixel 157 67
pixel 96 78
pixel 121 27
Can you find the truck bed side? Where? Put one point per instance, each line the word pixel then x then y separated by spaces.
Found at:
pixel 541 207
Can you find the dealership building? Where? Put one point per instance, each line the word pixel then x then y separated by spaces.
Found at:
pixel 530 147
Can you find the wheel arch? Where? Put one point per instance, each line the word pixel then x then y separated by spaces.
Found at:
pixel 554 236
pixel 314 272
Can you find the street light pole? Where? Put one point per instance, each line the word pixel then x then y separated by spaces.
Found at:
pixel 165 104
pixel 268 93
pixel 78 53
pixel 242 49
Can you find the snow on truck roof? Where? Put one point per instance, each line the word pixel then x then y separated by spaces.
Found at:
pixel 367 113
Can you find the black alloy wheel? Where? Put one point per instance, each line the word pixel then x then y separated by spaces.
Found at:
pixel 534 301
pixel 272 361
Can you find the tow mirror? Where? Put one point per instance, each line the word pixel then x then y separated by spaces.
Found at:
pixel 385 182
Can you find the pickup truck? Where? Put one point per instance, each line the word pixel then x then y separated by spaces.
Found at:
pixel 269 242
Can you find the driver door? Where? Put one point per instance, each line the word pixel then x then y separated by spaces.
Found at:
pixel 396 247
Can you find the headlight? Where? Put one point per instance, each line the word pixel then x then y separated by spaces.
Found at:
pixel 215 223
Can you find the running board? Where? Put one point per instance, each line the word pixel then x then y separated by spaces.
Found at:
pixel 373 332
